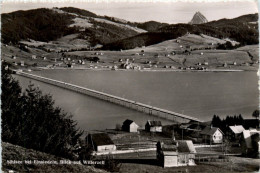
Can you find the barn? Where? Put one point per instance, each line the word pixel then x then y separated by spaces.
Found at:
pixel 130 126
pixel 153 126
pixel 234 132
pixel 101 142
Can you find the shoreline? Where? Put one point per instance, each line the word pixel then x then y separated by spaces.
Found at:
pixel 143 70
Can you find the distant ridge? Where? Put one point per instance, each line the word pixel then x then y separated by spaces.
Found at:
pixel 198 18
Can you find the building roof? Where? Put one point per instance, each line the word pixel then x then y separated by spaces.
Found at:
pixel 154 123
pixel 168 146
pixel 247 135
pixel 101 139
pixel 127 122
pixel 210 130
pixel 179 146
pixel 237 129
pixel 186 146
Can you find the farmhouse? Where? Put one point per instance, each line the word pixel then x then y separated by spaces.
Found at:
pixel 101 142
pixel 129 126
pixel 212 135
pixel 235 132
pixel 176 153
pixel 153 126
pixel 250 143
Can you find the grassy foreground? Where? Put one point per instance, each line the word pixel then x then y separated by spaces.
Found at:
pixel 12 152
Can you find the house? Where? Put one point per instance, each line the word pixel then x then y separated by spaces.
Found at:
pixel 101 142
pixel 212 135
pixel 186 152
pixel 176 153
pixel 129 126
pixel 34 57
pixel 235 132
pixel 153 126
pixel 22 63
pixel 69 65
pixel 250 143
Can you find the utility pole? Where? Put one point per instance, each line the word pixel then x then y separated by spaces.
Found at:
pixel 181 133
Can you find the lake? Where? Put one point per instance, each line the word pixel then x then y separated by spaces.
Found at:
pixel 197 94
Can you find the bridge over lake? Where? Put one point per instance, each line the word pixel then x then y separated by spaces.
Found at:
pixel 151 110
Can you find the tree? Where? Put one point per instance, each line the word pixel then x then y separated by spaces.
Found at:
pixel 11 104
pixel 216 121
pixel 256 114
pixel 30 120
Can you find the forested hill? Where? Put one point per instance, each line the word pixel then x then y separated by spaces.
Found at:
pixel 114 33
pixel 38 24
pixel 243 29
pixel 50 24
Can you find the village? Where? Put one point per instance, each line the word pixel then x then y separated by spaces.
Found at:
pixel 187 53
pixel 178 145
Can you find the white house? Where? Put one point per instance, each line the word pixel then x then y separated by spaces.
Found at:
pixel 153 126
pixel 22 63
pixel 130 126
pixel 101 142
pixel 212 135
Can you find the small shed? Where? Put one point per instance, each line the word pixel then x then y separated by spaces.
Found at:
pixel 101 142
pixel 130 126
pixel 212 135
pixel 153 126
pixel 186 152
pixel 176 153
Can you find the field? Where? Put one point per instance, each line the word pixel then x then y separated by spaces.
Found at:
pixel 143 162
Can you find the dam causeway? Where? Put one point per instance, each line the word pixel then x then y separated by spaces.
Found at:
pixel 151 110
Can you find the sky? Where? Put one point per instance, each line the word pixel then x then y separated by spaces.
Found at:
pixel 145 10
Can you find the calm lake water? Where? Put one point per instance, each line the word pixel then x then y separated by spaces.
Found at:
pixel 197 94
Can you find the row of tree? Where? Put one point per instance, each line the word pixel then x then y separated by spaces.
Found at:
pixel 224 124
pixel 29 119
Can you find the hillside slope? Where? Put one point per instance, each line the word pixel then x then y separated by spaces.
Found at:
pixel 243 29
pixel 12 152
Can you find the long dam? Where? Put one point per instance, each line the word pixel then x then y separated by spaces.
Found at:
pixel 151 110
